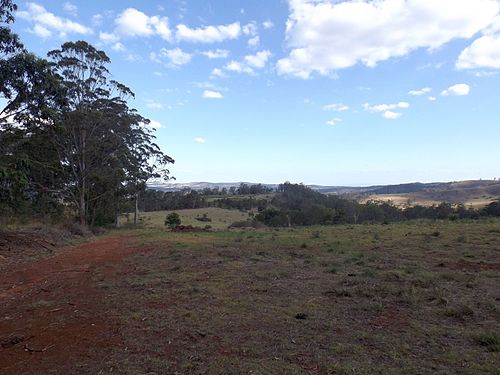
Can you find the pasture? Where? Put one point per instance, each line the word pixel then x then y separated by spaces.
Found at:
pixel 407 298
pixel 220 218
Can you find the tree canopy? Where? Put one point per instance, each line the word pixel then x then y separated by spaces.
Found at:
pixel 67 133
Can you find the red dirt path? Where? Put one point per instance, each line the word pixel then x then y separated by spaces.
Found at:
pixel 51 315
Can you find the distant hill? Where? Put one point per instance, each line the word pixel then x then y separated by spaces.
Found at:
pixel 175 186
pixel 476 192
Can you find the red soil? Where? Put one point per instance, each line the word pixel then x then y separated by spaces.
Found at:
pixel 51 315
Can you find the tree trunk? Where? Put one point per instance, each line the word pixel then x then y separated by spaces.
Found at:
pixel 82 210
pixel 83 184
pixel 136 213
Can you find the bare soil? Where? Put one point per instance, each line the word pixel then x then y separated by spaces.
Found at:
pixel 52 315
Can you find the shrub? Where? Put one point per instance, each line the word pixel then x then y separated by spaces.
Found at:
pixel 172 220
pixel 247 224
pixel 203 218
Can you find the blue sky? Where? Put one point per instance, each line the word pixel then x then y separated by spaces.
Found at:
pixel 314 91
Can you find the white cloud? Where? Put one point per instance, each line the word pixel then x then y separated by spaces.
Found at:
pixel 41 31
pixel 217 73
pixel 208 34
pixel 97 19
pixel 208 86
pixel 134 23
pixel 235 66
pixel 258 60
pixel 199 140
pixel 390 115
pixel 268 24
pixel 108 37
pixel 334 121
pixel 326 36
pixel 118 47
pixel 432 98
pixel 153 56
pixel 209 94
pixel 250 29
pixel 46 22
pixel 420 92
pixel 385 107
pixel 155 124
pixel 459 89
pixel 254 42
pixel 71 9
pixel 154 104
pixel 216 54
pixel 338 107
pixel 482 74
pixel 176 56
pixel 482 53
pixel 249 63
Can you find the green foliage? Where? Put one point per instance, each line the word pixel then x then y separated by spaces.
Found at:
pixel 109 151
pixel 154 200
pixel 75 134
pixel 9 42
pixel 493 209
pixel 173 220
pixel 299 205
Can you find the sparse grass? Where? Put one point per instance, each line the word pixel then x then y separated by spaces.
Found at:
pixel 41 303
pixel 371 299
pixel 490 341
pixel 459 312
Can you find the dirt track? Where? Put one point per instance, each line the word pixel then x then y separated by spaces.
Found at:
pixel 51 318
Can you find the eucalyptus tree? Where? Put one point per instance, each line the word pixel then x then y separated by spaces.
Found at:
pixel 28 91
pixel 104 146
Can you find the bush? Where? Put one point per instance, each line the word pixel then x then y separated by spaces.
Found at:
pixel 247 224
pixel 173 220
pixel 203 218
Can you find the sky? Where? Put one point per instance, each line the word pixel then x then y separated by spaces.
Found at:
pixel 314 91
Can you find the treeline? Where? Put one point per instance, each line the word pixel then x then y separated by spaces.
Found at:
pixel 69 142
pixel 232 198
pixel 243 189
pixel 155 200
pixel 299 205
pixel 239 198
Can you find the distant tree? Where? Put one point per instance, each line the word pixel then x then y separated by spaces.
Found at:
pixel 493 209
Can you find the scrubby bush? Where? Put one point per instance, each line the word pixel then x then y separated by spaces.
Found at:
pixel 172 220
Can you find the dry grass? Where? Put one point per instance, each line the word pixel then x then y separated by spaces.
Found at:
pixel 365 299
pixel 221 218
pixel 422 200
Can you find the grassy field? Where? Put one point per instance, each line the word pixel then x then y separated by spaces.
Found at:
pixel 221 218
pixel 408 298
